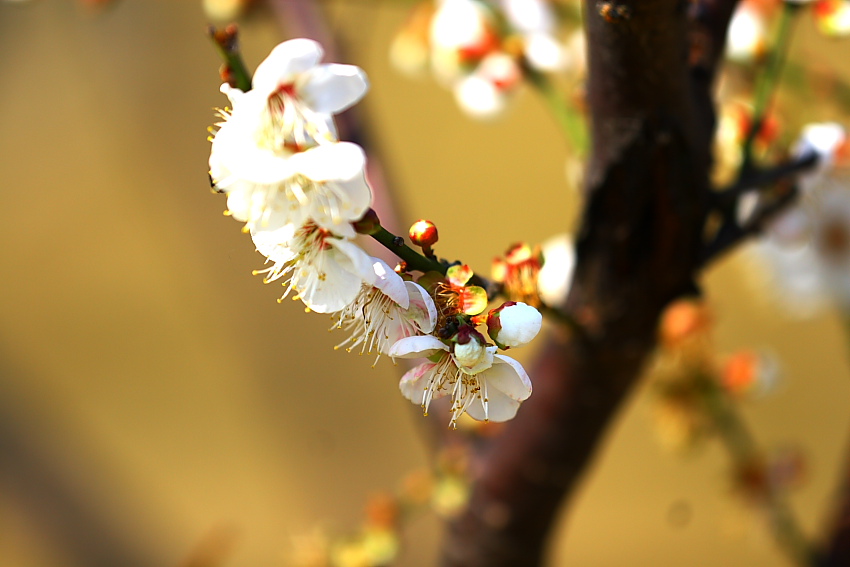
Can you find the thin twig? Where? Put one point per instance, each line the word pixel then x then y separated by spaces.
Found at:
pixel 744 452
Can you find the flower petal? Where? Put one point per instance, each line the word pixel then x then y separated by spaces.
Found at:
pixel 415 381
pixel 359 262
pixel 422 309
pixel 286 61
pixel 500 407
pixel 327 285
pixel 274 244
pixel 417 347
pixel 332 88
pixel 338 161
pixel 390 283
pixel 508 376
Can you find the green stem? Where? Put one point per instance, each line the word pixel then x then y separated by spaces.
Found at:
pixel 742 447
pixel 768 81
pixel 227 46
pixel 414 259
pixel 569 119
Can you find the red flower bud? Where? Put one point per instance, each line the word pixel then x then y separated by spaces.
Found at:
pixel 423 233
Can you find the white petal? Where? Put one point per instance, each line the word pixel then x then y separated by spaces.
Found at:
pixel 275 244
pixel 421 346
pixel 422 309
pixel 508 376
pixel 415 381
pixel 529 16
pixel 339 161
pixel 328 285
pixel 390 283
pixel 479 97
pixel 360 263
pixel 520 323
pixel 332 88
pixel 286 61
pixel 500 407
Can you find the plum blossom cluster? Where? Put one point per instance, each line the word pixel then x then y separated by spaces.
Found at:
pixel 807 250
pixel 480 48
pixel 747 38
pixel 302 195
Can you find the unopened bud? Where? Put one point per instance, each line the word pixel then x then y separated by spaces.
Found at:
pixel 423 233
pixel 513 324
pixel 369 223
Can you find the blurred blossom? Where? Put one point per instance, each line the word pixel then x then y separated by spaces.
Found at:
pixel 806 255
pixel 816 272
pixel 828 141
pixel 685 322
pixel 746 39
pixel 518 272
pixel 833 17
pixel 555 277
pixel 750 374
pixel 733 126
pixel 478 48
pixel 226 10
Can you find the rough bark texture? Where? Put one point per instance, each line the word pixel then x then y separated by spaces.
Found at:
pixel 651 67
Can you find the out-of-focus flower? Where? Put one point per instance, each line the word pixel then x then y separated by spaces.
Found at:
pixel 517 272
pixel 487 386
pixel 684 320
pixel 833 17
pixel 807 253
pixel 734 124
pixel 451 495
pixel 478 48
pixel 746 39
pixel 226 10
pixel 556 274
pixel 681 422
pixel 293 97
pixel 828 141
pixel 386 311
pixel 327 272
pixel 750 374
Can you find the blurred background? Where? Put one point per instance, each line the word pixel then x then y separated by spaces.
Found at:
pixel 157 404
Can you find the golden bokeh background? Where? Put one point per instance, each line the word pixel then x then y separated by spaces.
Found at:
pixel 154 396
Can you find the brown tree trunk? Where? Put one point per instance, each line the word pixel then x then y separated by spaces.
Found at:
pixel 639 247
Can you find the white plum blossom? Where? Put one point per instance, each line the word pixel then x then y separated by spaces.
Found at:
pixel 514 324
pixel 386 311
pixel 325 184
pixel 485 385
pixel 293 97
pixel 327 272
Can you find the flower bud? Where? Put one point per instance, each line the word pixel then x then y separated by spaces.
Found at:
pixel 369 223
pixel 470 351
pixel 513 324
pixel 423 233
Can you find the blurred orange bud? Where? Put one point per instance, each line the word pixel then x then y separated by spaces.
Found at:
pixel 684 320
pixel 748 373
pixel 417 487
pixel 382 511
